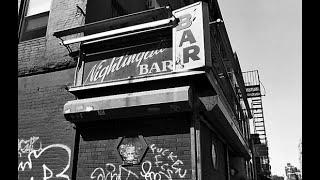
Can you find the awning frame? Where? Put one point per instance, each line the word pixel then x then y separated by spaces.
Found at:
pixel 169 100
pixel 122 32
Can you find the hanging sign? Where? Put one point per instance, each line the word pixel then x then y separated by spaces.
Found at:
pixel 190 37
pixel 190 49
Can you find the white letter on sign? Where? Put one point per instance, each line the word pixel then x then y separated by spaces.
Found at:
pixel 184 22
pixel 143 69
pixel 188 37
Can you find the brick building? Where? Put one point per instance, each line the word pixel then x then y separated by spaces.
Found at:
pixel 145 89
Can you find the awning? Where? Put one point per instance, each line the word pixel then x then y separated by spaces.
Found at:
pixel 127 105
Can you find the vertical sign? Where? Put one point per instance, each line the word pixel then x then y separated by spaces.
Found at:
pixel 190 37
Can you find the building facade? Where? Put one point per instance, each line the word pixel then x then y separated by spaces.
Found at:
pixel 292 172
pixel 115 89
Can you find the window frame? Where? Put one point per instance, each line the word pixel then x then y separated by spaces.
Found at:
pixel 21 15
pixel 23 19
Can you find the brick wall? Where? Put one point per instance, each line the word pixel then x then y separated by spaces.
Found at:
pixel 30 54
pixel 168 154
pixel 62 16
pixel 45 138
pixel 45 54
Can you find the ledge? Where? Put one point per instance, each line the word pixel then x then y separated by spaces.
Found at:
pixel 221 118
pixel 162 101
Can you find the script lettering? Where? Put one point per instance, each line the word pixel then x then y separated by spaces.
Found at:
pixel 102 68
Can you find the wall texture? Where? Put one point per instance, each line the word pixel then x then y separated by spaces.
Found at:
pixel 45 138
pixel 45 54
pixel 46 141
pixel 168 155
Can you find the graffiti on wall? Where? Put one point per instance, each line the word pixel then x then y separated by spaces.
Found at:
pixel 130 153
pixel 30 151
pixel 26 146
pixel 166 169
pixel 113 173
pixel 164 165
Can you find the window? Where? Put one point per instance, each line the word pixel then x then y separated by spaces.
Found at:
pixel 214 155
pixel 34 16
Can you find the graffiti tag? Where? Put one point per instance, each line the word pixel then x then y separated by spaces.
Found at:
pixel 166 165
pixel 36 153
pixel 26 146
pixel 112 173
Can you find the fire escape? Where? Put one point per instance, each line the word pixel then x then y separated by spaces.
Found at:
pixel 259 139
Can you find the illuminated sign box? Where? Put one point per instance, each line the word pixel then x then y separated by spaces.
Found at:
pixel 190 39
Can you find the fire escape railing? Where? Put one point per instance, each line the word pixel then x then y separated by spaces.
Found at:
pixel 259 137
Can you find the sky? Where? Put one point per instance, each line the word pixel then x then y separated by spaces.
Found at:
pixel 267 36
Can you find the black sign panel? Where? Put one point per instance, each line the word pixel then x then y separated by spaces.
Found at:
pixel 134 62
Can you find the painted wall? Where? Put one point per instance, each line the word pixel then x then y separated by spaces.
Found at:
pixel 45 138
pixel 46 141
pixel 168 155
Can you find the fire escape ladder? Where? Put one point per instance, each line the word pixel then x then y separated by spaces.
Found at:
pixel 260 143
pixel 258 119
pixel 253 90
